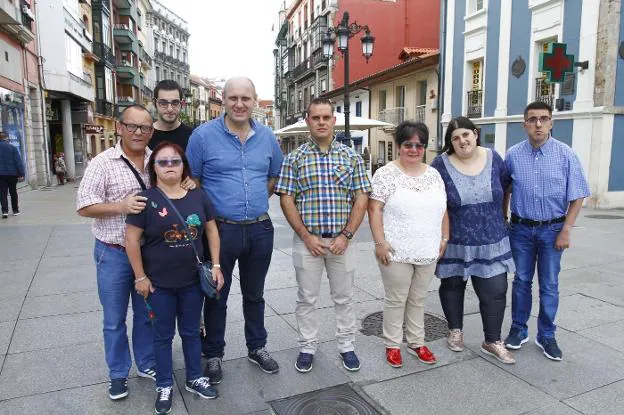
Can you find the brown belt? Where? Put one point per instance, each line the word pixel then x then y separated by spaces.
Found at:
pixel 116 246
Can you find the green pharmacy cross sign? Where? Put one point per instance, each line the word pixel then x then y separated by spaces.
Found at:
pixel 556 62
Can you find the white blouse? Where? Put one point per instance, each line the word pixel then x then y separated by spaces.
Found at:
pixel 412 213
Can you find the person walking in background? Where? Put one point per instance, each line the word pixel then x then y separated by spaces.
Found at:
pixel 547 192
pixel 165 267
pixel 237 161
pixel 60 168
pixel 168 126
pixel 407 216
pixel 323 190
pixel 11 171
pixel 475 179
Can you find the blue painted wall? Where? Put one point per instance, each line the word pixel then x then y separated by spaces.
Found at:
pixel 520 46
pixel 571 35
pixel 619 79
pixel 515 133
pixel 487 129
pixel 458 59
pixel 491 64
pixel 616 172
pixel 562 130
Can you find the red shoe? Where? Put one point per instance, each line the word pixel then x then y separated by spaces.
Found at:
pixel 393 356
pixel 423 354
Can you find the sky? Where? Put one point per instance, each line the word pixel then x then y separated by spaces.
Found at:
pixel 231 37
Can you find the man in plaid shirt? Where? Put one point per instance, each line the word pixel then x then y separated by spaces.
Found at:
pixel 324 194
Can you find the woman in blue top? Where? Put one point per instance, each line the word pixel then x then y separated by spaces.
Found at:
pixel 475 178
pixel 165 267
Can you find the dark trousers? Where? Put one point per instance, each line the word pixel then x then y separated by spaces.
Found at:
pixel 252 246
pixel 183 304
pixel 492 299
pixel 8 185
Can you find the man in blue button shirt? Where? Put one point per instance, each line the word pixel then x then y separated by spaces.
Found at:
pixel 237 161
pixel 547 192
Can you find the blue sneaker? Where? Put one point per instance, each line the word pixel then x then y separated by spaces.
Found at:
pixel 118 388
pixel 550 348
pixel 516 339
pixel 201 386
pixel 350 361
pixel 163 400
pixel 304 362
pixel 149 373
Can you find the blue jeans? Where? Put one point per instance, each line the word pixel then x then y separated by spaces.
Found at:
pixel 115 281
pixel 531 246
pixel 252 246
pixel 185 304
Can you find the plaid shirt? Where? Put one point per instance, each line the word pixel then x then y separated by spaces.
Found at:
pixel 323 184
pixel 108 179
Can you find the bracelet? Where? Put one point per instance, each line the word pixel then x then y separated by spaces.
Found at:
pixel 445 239
pixel 140 279
pixel 216 265
pixel 380 243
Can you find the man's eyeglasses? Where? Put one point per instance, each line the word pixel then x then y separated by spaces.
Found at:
pixel 409 144
pixel 163 103
pixel 144 129
pixel 534 120
pixel 169 162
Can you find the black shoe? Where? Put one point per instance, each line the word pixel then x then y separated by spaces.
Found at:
pixel 16 213
pixel 550 348
pixel 213 370
pixel 516 339
pixel 304 362
pixel 264 360
pixel 163 400
pixel 118 388
pixel 5 216
pixel 201 387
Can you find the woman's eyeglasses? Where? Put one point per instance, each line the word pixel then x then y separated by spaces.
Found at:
pixel 170 162
pixel 410 144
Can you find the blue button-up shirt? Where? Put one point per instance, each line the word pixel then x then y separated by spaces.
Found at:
pixel 235 175
pixel 544 180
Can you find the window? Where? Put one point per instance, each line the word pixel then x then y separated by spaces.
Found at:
pixel 312 89
pixel 422 93
pixel 73 56
pixel 338 108
pixel 475 6
pixel 358 109
pixel 400 96
pixel 106 30
pixel 382 100
pixel 476 75
pixel 323 85
pixel 108 79
pixel 381 152
pixel 72 6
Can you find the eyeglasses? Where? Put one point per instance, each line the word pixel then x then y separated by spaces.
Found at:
pixel 163 103
pixel 409 144
pixel 533 120
pixel 168 162
pixel 144 129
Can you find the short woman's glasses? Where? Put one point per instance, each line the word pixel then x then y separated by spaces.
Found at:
pixel 410 144
pixel 170 162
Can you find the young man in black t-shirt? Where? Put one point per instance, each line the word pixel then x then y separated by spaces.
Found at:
pixel 168 127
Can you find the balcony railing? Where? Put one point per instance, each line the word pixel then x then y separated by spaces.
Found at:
pixel 475 104
pixel 394 116
pixel 419 114
pixel 122 32
pixel 544 91
pixel 104 52
pixel 99 4
pixel 125 101
pixel 104 108
pixel 85 79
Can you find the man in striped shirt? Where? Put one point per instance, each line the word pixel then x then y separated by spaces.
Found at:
pixel 324 194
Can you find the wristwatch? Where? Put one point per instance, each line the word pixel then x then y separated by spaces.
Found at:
pixel 347 234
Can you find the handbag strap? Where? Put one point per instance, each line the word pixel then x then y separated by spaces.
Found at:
pixel 186 228
pixel 135 172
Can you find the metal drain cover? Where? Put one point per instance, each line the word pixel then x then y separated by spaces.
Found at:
pixel 435 327
pixel 604 216
pixel 339 400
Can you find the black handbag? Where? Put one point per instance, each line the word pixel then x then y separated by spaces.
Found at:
pixel 204 269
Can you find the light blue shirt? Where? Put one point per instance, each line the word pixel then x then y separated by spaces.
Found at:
pixel 544 180
pixel 235 175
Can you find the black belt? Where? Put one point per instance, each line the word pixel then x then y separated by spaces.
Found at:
pixel 115 246
pixel 329 235
pixel 534 223
pixel 244 222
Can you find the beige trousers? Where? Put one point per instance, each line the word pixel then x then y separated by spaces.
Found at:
pixel 406 288
pixel 340 272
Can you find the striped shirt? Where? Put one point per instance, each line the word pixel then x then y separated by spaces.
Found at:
pixel 544 180
pixel 108 179
pixel 323 184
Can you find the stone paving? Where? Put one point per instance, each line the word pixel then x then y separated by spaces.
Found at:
pixel 52 359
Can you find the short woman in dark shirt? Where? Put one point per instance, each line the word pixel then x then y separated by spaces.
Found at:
pixel 165 267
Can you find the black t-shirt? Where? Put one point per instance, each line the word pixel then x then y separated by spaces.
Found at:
pixel 179 136
pixel 168 258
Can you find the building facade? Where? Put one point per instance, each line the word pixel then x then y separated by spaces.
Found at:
pixel 170 36
pixel 199 102
pixel 491 71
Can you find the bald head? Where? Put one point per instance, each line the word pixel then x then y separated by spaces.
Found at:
pixel 239 81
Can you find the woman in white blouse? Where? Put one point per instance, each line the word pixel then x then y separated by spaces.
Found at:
pixel 407 215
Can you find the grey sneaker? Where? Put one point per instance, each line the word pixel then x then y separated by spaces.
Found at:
pixel 213 370
pixel 498 350
pixel 264 360
pixel 455 340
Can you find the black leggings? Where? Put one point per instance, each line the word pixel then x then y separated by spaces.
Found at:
pixel 492 299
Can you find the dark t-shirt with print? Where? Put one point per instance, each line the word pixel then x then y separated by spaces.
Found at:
pixel 179 136
pixel 168 257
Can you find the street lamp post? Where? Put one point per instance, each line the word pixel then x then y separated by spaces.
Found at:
pixel 345 31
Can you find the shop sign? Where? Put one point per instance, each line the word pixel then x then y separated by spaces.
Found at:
pixel 93 129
